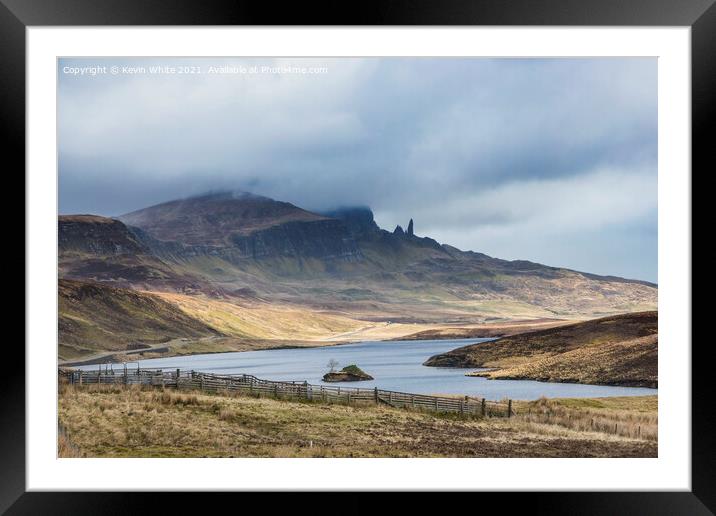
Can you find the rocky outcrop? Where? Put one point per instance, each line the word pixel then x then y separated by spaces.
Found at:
pixel 399 231
pixel 327 239
pixel 359 220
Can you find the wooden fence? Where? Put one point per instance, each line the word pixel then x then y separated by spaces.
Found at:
pixel 249 384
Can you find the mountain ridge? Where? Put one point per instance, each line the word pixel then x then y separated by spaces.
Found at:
pixel 226 245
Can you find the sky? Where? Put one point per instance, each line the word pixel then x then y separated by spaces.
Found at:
pixel 548 160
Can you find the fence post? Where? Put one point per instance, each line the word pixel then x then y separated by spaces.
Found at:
pixel 376 395
pixel 509 408
pixel 80 377
pixel 483 406
pixel 305 386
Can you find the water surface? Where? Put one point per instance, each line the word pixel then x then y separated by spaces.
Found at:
pixel 395 365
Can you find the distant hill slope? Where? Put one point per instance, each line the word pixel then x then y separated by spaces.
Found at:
pixel 101 249
pixel 86 235
pixel 96 317
pixel 618 350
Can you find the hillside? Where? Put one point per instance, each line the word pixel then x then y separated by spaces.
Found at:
pixel 95 317
pixel 101 249
pixel 630 363
pixel 100 320
pixel 619 350
pixel 94 235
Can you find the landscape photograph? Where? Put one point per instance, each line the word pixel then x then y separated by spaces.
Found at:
pixel 393 257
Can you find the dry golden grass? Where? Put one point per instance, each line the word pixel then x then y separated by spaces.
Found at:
pixel 261 320
pixel 634 418
pixel 616 350
pixel 631 362
pixel 495 329
pixel 116 421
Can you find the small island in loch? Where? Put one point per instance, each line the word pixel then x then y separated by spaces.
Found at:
pixel 351 373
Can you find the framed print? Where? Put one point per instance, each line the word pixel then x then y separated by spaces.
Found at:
pixel 433 251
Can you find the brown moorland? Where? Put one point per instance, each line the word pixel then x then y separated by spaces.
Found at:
pixel 617 350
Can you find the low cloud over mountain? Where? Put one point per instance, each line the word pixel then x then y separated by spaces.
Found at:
pixel 548 159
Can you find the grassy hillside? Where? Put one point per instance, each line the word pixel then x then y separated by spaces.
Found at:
pixel 618 350
pixel 629 363
pixel 114 421
pixel 95 317
pixel 263 320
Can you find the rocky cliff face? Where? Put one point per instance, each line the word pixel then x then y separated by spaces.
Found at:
pixel 323 239
pixel 358 220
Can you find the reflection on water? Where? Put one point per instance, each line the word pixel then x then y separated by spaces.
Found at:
pixel 395 365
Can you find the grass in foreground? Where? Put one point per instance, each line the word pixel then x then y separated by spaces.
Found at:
pixel 115 421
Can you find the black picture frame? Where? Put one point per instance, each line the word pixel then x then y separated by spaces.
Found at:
pixel 700 15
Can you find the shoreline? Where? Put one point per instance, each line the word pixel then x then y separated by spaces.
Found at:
pixel 109 356
pixel 486 375
pixel 489 330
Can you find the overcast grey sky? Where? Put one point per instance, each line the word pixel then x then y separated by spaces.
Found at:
pixel 549 160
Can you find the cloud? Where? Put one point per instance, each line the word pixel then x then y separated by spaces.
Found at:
pixel 478 150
